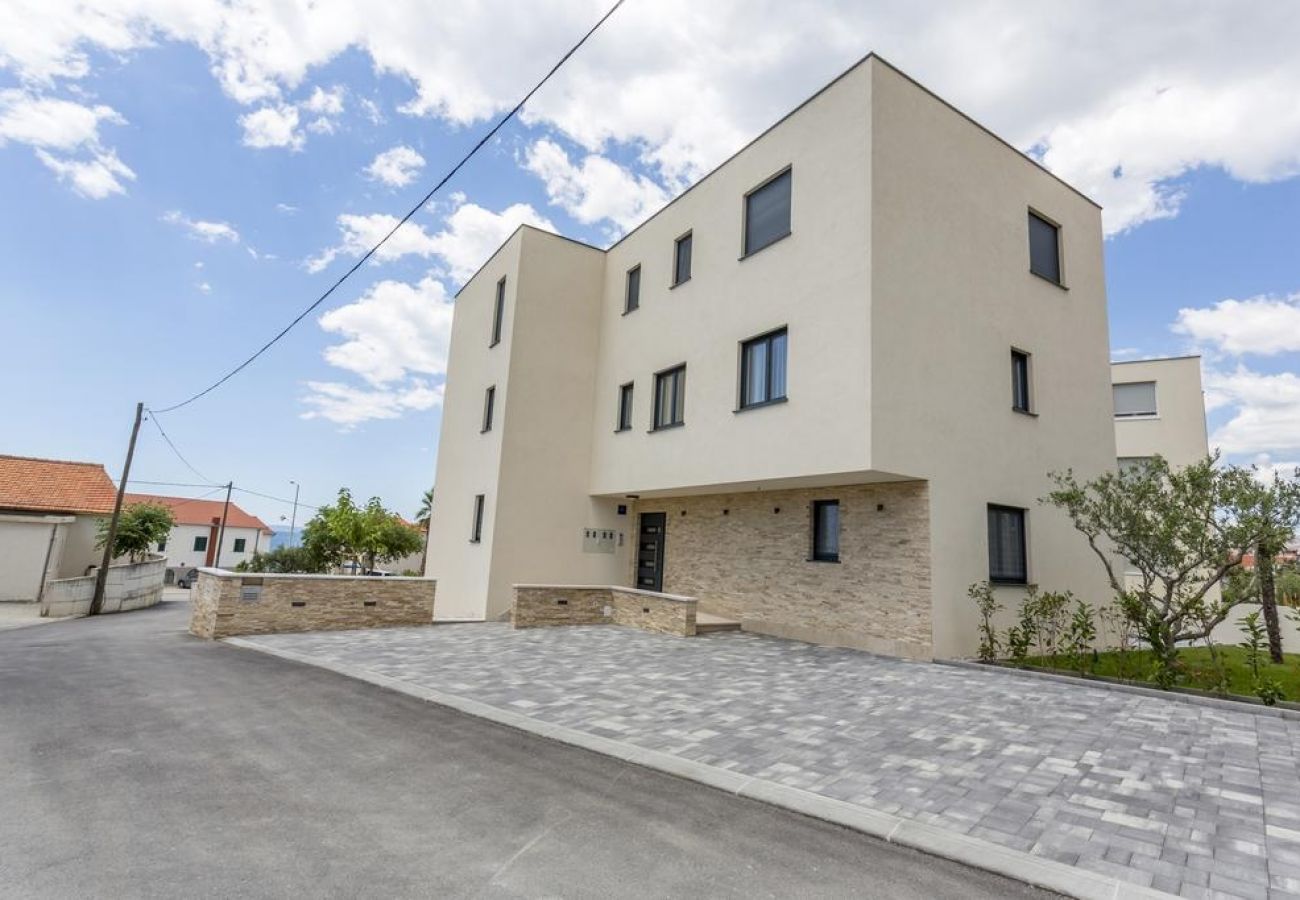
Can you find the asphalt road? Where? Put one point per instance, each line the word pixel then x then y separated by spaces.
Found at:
pixel 138 761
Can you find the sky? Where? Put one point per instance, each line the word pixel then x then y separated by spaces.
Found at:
pixel 179 179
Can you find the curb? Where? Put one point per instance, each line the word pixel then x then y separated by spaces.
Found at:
pixel 931 839
pixel 1223 703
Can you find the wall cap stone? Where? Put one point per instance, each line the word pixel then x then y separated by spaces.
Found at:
pixel 677 598
pixel 228 573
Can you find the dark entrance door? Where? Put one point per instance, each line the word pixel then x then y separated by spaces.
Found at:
pixel 650 552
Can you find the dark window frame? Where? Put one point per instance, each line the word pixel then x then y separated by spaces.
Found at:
pixel 1001 577
pixel 162 546
pixel 1059 279
pixel 632 298
pixel 769 338
pixel 688 239
pixel 626 397
pixel 498 311
pixel 489 408
pixel 746 250
pixel 476 525
pixel 678 405
pixel 1022 381
pixel 200 543
pixel 240 546
pixel 819 554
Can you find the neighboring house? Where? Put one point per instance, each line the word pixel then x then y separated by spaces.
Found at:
pixel 820 391
pixel 1159 409
pixel 194 538
pixel 49 519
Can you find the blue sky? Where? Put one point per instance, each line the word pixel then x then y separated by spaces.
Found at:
pixel 178 181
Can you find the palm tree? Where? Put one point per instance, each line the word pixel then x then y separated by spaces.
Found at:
pixel 423 514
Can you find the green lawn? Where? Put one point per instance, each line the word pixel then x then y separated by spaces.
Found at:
pixel 1195 669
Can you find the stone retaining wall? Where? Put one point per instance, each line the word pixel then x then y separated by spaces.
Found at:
pixel 538 605
pixel 228 603
pixel 128 586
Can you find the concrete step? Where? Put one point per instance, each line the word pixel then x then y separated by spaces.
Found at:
pixel 707 623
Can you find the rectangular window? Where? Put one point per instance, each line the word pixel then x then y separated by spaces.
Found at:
pixel 762 369
pixel 476 530
pixel 1007 545
pixel 625 407
pixel 670 398
pixel 1020 381
pixel 498 312
pixel 682 259
pixel 162 546
pixel 632 296
pixel 826 530
pixel 240 544
pixel 1044 248
pixel 489 401
pixel 201 543
pixel 1136 398
pixel 767 213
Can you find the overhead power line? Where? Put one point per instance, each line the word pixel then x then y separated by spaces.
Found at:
pixel 156 424
pixel 301 503
pixel 184 484
pixel 406 218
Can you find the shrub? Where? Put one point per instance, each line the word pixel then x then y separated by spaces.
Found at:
pixel 987 604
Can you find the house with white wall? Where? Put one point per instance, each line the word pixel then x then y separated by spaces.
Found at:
pixel 820 391
pixel 196 533
pixel 1159 409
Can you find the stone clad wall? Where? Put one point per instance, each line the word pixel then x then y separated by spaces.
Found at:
pixel 539 605
pixel 229 603
pixel 746 556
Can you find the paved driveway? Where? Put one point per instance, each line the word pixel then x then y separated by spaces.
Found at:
pixel 1181 797
pixel 138 761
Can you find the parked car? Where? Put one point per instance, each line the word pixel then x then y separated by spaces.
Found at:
pixel 186 579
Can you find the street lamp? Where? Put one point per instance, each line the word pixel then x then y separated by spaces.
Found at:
pixel 294 521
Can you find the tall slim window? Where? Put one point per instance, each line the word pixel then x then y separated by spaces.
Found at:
pixel 162 546
pixel 625 407
pixel 767 213
pixel 1007 563
pixel 498 312
pixel 1020 381
pixel 632 296
pixel 1044 248
pixel 670 397
pixel 682 259
pixel 489 401
pixel 762 369
pixel 1136 398
pixel 826 530
pixel 476 530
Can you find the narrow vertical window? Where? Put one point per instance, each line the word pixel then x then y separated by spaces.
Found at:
pixel 682 259
pixel 762 369
pixel 767 213
pixel 625 407
pixel 632 296
pixel 498 313
pixel 489 401
pixel 476 530
pixel 1007 558
pixel 826 530
pixel 1020 381
pixel 1044 248
pixel 670 398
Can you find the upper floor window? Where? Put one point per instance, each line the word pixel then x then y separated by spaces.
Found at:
pixel 489 401
pixel 767 213
pixel 682 259
pixel 1044 248
pixel 670 397
pixel 1136 398
pixel 241 544
pixel 632 295
pixel 625 407
pixel 826 530
pixel 1007 558
pixel 762 369
pixel 1020 381
pixel 498 312
pixel 476 527
pixel 200 543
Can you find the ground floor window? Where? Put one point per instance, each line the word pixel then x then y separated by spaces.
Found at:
pixel 1007 560
pixel 826 530
pixel 476 530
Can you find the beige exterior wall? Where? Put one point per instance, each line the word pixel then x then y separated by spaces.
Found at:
pixel 31 547
pixel 1177 431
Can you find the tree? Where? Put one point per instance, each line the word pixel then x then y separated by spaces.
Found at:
pixel 284 560
pixel 141 527
pixel 362 535
pixel 1273 506
pixel 1181 530
pixel 425 512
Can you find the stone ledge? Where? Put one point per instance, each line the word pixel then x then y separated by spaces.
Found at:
pixel 543 605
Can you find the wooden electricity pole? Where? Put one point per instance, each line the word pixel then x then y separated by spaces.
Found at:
pixel 101 577
pixel 221 533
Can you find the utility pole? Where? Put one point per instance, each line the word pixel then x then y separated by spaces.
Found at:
pixel 101 577
pixel 221 532
pixel 293 521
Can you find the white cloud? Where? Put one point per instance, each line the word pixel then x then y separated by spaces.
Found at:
pixel 1263 326
pixel 349 406
pixel 595 190
pixel 360 233
pixel 287 208
pixel 395 330
pixel 204 287
pixel 373 113
pixel 1265 410
pixel 98 177
pixel 325 103
pixel 65 136
pixel 1267 469
pixel 272 126
pixel 199 229
pixel 397 166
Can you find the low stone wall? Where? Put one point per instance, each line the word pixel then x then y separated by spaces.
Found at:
pixel 128 586
pixel 538 605
pixel 228 603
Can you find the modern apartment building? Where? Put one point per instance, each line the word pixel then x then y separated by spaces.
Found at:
pixel 820 390
pixel 1159 409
